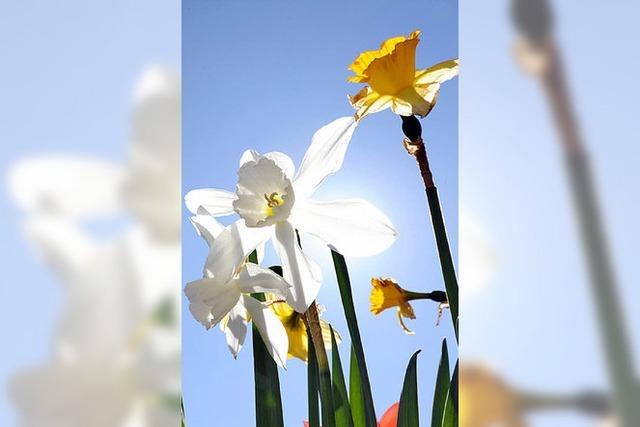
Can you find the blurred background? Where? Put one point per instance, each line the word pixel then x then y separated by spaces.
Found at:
pixel 90 131
pixel 550 334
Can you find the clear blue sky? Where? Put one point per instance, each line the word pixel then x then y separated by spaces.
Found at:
pixel 266 76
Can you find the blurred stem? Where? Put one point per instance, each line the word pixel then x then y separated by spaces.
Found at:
pixel 603 283
pixel 595 403
pixel 415 147
pixel 326 393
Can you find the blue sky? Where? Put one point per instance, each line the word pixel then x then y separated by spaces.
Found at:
pixel 266 77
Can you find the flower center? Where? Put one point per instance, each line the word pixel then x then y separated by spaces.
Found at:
pixel 273 201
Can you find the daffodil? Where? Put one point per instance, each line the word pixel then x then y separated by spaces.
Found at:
pixel 275 203
pixel 386 293
pixel 296 328
pixel 223 295
pixel 393 81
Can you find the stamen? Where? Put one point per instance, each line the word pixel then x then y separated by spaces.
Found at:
pixel 404 327
pixel 273 199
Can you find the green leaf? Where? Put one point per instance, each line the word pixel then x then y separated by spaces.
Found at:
pixel 182 422
pixel 340 396
pixel 442 388
pixel 451 406
pixel 408 411
pixel 312 385
pixel 267 386
pixel 355 393
pixel 267 383
pixel 444 252
pixel 344 283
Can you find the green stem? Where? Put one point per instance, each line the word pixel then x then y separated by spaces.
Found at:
pixel 415 147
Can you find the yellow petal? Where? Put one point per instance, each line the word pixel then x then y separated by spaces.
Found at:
pixel 363 61
pixel 390 74
pixel 438 73
pixel 367 102
pixel 410 101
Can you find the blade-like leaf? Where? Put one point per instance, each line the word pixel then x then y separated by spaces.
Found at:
pixel 344 283
pixel 267 383
pixel 340 397
pixel 312 385
pixel 355 393
pixel 444 252
pixel 408 411
pixel 442 388
pixel 450 418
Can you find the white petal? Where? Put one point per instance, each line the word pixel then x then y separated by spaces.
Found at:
pixel 299 271
pixel 231 247
pixel 254 279
pixel 283 161
pixel 353 227
pixel 325 154
pixel 210 300
pixel 210 200
pixel 235 329
pixel 207 227
pixel 271 330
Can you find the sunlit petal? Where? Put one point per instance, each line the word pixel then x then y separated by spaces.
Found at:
pixel 353 227
pixel 255 279
pixel 301 272
pixel 271 330
pixel 210 200
pixel 211 300
pixel 235 329
pixel 207 227
pixel 325 155
pixel 230 249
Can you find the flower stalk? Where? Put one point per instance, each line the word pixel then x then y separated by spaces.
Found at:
pixel 326 394
pixel 415 147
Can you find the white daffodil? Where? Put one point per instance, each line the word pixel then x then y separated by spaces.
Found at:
pixel 274 202
pixel 222 296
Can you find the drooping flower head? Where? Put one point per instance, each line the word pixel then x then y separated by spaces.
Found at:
pixel 386 293
pixel 393 81
pixel 223 296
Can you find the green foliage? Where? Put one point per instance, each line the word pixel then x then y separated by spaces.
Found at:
pixel 340 396
pixel 344 284
pixel 408 414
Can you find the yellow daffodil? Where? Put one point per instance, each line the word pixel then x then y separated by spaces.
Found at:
pixel 296 329
pixel 393 81
pixel 386 293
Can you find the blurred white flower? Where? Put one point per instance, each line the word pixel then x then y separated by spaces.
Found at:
pixel 223 295
pixel 477 256
pixel 116 348
pixel 273 203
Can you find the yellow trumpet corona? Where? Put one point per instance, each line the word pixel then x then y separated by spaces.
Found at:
pixel 393 81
